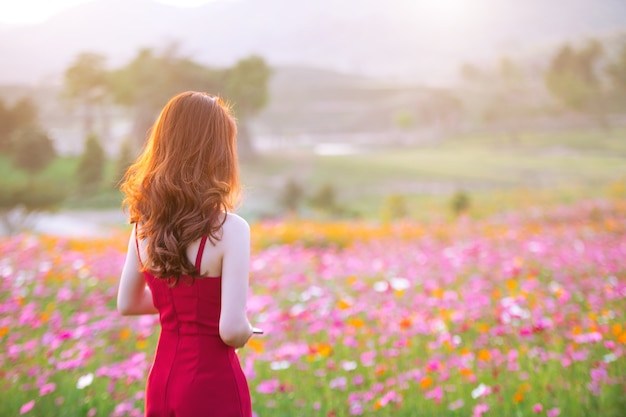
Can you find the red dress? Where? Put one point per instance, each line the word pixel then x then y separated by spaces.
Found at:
pixel 194 374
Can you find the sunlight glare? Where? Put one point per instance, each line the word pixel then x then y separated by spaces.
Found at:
pixel 36 11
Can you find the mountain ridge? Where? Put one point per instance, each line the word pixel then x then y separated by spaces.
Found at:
pixel 387 39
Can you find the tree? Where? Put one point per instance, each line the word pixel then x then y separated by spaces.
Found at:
pixel 573 79
pixel 19 198
pixel 325 199
pixel 246 87
pixel 150 79
pixel 291 196
pixel 23 115
pixel 507 103
pixel 616 72
pixel 125 158
pixel 90 170
pixel 86 81
pixel 6 127
pixel 33 150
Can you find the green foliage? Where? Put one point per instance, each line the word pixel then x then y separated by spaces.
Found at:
pixel 572 77
pixel 19 199
pixel 616 72
pixel 246 86
pixel 6 127
pixel 325 198
pixel 90 170
pixel 87 82
pixel 125 158
pixel 291 196
pixel 33 150
pixel 23 115
pixel 151 78
pixel 460 203
pixel 395 208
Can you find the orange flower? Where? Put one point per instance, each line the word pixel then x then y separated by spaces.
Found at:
pixel 3 331
pixel 518 397
pixel 484 355
pixel 141 344
pixel 616 329
pixel 44 317
pixel 256 345
pixel 356 322
pixel 377 405
pixel 343 304
pixel 466 372
pixel 125 333
pixel 426 382
pixel 322 349
pixel 406 323
pixel 511 284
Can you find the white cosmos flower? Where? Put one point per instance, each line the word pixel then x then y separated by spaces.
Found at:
pixel 278 365
pixel 399 283
pixel 479 391
pixel 84 381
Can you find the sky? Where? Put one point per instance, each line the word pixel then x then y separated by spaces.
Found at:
pixel 34 11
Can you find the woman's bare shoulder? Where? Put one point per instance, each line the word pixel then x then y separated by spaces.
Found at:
pixel 235 226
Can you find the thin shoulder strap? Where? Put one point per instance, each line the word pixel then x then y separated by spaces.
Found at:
pixel 199 255
pixel 137 245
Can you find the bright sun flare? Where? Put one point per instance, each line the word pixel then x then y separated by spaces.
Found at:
pixel 18 12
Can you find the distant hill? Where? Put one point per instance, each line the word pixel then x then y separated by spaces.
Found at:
pixel 400 38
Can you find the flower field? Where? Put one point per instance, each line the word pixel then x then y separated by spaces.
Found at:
pixel 520 314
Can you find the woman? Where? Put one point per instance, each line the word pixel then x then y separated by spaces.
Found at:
pixel 179 194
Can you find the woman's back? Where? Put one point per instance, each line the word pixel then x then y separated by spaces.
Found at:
pixel 180 191
pixel 194 372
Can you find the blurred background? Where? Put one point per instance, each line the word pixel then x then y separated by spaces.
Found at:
pixel 379 110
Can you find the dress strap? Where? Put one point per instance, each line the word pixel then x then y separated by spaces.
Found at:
pixel 137 245
pixel 199 255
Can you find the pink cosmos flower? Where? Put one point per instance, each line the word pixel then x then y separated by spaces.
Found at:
pixel 27 407
pixel 537 408
pixel 455 405
pixel 553 412
pixel 435 394
pixel 47 388
pixel 479 409
pixel 268 387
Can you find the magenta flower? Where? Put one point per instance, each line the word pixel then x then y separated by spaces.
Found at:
pixel 47 388
pixel 553 412
pixel 269 386
pixel 27 407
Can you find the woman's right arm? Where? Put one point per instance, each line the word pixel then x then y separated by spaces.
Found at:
pixel 133 296
pixel 234 327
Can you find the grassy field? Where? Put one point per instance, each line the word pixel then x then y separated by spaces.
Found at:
pixel 493 170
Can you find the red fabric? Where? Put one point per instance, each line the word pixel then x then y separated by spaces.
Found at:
pixel 194 373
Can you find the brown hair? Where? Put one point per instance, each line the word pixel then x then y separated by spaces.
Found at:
pixel 185 179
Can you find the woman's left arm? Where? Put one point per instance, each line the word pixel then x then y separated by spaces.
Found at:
pixel 133 296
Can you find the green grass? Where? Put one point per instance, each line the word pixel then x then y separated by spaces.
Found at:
pixel 492 168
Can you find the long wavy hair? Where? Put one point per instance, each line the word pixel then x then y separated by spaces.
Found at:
pixel 184 182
